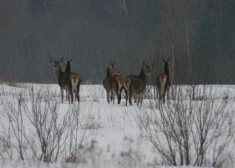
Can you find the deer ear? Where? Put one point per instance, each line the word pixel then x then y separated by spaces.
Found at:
pixel 113 63
pixel 110 63
pixel 143 64
pixel 61 59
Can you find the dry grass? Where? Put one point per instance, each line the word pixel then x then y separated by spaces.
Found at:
pixel 9 81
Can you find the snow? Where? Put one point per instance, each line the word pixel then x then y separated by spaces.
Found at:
pixel 111 128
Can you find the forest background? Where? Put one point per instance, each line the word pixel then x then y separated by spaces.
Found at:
pixel 197 35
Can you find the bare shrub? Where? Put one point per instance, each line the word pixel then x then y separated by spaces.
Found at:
pixel 31 121
pixel 189 132
pixel 6 147
pixel 13 113
pixel 48 128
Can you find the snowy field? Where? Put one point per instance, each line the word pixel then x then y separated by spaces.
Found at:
pixel 35 125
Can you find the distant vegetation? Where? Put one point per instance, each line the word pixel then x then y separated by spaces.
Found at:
pixel 198 35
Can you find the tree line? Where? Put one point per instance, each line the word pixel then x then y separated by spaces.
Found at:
pixel 197 35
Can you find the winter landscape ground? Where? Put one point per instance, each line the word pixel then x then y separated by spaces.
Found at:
pixel 38 131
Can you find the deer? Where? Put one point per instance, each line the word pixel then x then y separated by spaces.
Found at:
pixel 126 86
pixel 138 83
pixel 121 81
pixel 63 66
pixel 63 79
pixel 109 83
pixel 75 79
pixel 163 81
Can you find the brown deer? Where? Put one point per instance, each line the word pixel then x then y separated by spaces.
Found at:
pixel 63 66
pixel 126 86
pixel 109 83
pixel 163 81
pixel 121 85
pixel 138 83
pixel 63 79
pixel 75 79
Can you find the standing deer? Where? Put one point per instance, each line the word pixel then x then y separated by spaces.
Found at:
pixel 121 85
pixel 63 66
pixel 109 83
pixel 163 81
pixel 63 79
pixel 138 83
pixel 126 86
pixel 75 79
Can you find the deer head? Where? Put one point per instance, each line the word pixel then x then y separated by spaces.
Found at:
pixel 166 68
pixel 57 64
pixel 166 62
pixel 111 70
pixel 147 69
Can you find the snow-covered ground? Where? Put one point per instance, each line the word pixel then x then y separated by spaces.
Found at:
pixel 107 135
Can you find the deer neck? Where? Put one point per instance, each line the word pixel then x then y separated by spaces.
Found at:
pixel 166 70
pixel 109 74
pixel 57 73
pixel 143 75
pixel 68 67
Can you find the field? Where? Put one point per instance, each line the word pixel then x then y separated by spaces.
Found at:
pixel 37 130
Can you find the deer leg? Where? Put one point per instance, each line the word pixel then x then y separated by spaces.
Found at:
pixel 108 96
pixel 138 98
pixel 62 93
pixel 168 94
pixel 78 97
pixel 120 95
pixel 126 93
pixel 141 98
pixel 119 98
pixel 135 98
pixel 111 97
pixel 130 97
pixel 164 96
pixel 71 95
pixel 75 95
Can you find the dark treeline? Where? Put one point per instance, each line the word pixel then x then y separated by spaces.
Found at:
pixel 198 35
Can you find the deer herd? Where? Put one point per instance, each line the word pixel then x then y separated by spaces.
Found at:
pixel 134 86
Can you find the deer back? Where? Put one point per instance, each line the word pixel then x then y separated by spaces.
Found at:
pixel 161 79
